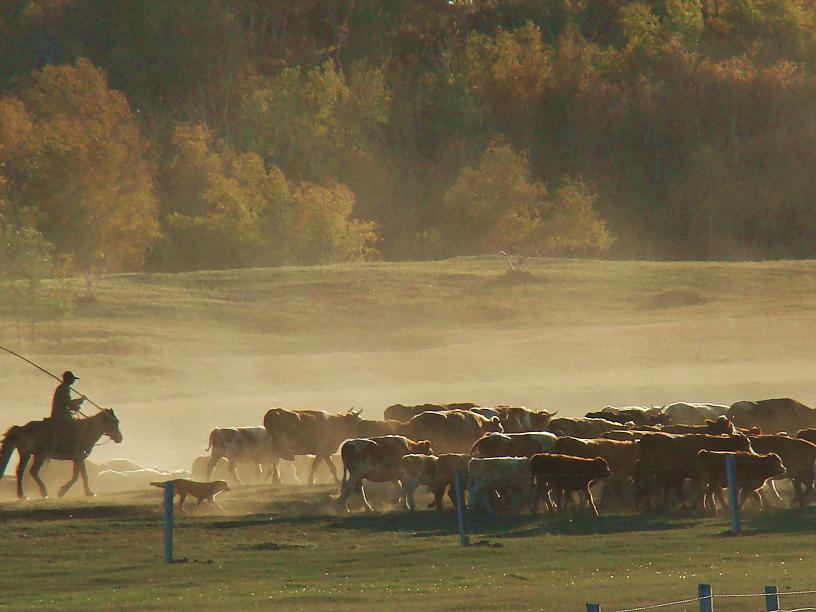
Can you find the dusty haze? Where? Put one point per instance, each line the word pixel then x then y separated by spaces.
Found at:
pixel 176 355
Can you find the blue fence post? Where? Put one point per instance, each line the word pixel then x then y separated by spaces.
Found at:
pixel 593 607
pixel 706 598
pixel 168 522
pixel 733 498
pixel 771 599
pixel 464 540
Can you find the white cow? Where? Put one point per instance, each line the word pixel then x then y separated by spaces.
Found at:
pixel 507 475
pixel 694 413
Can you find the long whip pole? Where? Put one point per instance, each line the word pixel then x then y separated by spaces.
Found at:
pixel 41 369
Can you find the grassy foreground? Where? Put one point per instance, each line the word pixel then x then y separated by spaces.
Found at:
pixel 288 552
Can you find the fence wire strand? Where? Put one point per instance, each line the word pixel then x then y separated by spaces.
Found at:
pixel 724 596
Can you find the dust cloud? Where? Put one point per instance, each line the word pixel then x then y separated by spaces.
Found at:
pixel 188 353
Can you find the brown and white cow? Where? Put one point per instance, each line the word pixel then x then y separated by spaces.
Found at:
pixel 510 476
pixel 242 445
pixel 450 431
pixel 310 432
pixel 376 459
pixel 513 445
pixel 563 474
pixel 752 472
pixel 436 473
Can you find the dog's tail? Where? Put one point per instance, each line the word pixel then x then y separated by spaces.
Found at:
pixel 161 484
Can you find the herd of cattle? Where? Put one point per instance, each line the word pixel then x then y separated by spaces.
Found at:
pixel 645 457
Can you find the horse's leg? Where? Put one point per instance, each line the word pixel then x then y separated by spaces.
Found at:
pixel 71 482
pixel 84 473
pixel 21 472
pixel 39 460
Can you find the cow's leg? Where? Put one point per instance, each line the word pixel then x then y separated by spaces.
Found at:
pixel 83 471
pixel 486 502
pixel 588 497
pixel 21 466
pixel 408 488
pixel 231 465
pixel 258 473
pixel 214 459
pixel 361 491
pixel 398 500
pixel 71 482
pixel 346 489
pixel 39 460
pixel 772 486
pixel 274 470
pixel 332 468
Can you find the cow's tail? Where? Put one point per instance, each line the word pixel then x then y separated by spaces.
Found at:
pixel 10 441
pixel 345 458
pixel 211 442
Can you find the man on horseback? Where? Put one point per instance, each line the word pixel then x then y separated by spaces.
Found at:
pixel 63 408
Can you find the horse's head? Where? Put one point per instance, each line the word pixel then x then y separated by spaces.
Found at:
pixel 110 425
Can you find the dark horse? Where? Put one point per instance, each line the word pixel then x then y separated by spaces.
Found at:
pixel 42 440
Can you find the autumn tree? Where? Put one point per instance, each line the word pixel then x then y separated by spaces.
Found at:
pixel 80 174
pixel 498 205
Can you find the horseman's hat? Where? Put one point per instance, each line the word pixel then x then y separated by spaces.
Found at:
pixel 69 377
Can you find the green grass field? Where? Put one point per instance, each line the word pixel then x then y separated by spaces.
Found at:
pixel 289 552
pixel 177 355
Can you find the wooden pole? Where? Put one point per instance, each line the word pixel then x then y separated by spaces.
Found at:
pixel 733 498
pixel 771 599
pixel 168 522
pixel 464 539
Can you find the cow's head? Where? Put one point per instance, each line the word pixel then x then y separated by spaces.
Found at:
pixel 423 447
pixel 775 465
pixel 601 468
pixel 493 424
pixel 720 425
pixel 541 419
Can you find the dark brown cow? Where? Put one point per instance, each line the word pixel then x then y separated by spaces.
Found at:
pixel 582 427
pixel 714 427
pixel 752 472
pixel 436 473
pixel 564 474
pixel 376 459
pixel 310 432
pixel 621 456
pixel 398 412
pixel 807 434
pixel 666 460
pixel 513 445
pixel 772 415
pixel 451 431
pixel 638 416
pixel 798 456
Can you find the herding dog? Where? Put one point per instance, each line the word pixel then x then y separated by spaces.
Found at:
pixel 202 491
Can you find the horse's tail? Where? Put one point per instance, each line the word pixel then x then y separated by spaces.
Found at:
pixel 7 448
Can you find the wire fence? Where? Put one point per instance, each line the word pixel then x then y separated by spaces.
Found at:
pixel 706 598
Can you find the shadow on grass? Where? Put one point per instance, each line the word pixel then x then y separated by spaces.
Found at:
pixel 94 511
pixel 793 520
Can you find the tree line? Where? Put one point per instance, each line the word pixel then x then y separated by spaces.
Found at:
pixel 192 134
